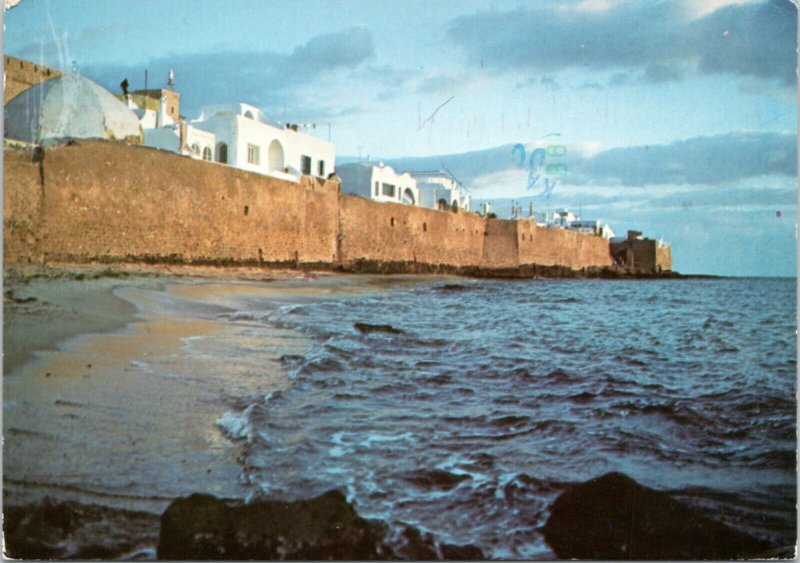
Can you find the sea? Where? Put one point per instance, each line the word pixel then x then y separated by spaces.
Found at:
pixel 489 398
pixel 464 407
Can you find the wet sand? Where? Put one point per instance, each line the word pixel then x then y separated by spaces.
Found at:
pixel 113 384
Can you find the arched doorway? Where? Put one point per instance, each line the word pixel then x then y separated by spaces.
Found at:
pixel 454 207
pixel 206 153
pixel 276 159
pixel 222 153
pixel 408 197
pixel 441 205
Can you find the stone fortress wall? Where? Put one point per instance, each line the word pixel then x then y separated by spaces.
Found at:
pixel 19 75
pixel 111 202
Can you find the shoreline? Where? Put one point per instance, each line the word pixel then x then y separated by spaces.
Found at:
pixel 114 388
pixel 269 271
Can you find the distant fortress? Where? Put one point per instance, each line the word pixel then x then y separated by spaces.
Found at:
pixel 84 200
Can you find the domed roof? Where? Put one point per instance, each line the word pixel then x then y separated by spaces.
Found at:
pixel 68 106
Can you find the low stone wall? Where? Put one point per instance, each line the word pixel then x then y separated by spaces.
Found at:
pixel 110 202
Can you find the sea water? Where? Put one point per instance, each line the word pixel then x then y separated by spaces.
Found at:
pixel 466 416
pixel 489 398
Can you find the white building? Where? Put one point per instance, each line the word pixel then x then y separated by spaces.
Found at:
pixel 378 182
pixel 588 226
pixel 183 139
pixel 155 108
pixel 439 190
pixel 563 218
pixel 246 139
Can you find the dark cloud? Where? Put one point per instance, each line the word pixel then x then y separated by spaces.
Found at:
pixel 702 160
pixel 266 79
pixel 656 38
pixel 708 161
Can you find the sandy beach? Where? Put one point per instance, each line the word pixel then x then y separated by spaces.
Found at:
pixel 113 388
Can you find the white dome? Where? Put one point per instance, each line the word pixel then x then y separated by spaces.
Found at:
pixel 68 106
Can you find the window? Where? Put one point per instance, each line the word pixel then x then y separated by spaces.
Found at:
pixel 206 153
pixel 377 188
pixel 252 154
pixel 222 153
pixel 305 165
pixel 321 169
pixel 196 149
pixel 388 190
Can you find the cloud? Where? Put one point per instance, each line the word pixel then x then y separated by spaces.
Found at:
pixel 267 79
pixel 708 198
pixel 720 160
pixel 658 40
pixel 713 160
pixel 699 8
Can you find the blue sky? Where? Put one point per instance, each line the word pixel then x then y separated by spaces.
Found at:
pixel 678 118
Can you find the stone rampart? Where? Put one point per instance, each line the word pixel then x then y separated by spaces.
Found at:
pixel 21 75
pixel 110 202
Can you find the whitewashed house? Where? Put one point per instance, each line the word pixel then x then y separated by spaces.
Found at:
pixel 594 227
pixel 378 182
pixel 183 139
pixel 439 190
pixel 248 140
pixel 158 112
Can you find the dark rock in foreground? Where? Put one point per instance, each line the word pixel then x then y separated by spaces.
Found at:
pixel 413 545
pixel 70 530
pixel 325 527
pixel 614 517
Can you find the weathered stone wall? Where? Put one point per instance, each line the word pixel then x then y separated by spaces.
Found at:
pixel 106 201
pixel 500 249
pixel 109 202
pixel 392 232
pixel 21 75
pixel 22 209
pixel 559 247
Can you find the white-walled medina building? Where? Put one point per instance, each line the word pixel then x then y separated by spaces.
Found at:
pixel 378 182
pixel 158 111
pixel 248 140
pixel 238 135
pixel 439 190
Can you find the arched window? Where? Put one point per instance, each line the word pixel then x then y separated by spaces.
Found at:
pixel 196 149
pixel 275 153
pixel 442 205
pixel 408 197
pixel 249 114
pixel 206 153
pixel 222 153
pixel 455 206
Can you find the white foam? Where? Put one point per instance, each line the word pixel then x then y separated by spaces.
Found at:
pixel 237 426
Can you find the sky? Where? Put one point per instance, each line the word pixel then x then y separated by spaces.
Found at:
pixel 677 118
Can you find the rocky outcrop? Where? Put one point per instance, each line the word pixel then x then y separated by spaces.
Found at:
pixel 70 530
pixel 614 517
pixel 325 527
